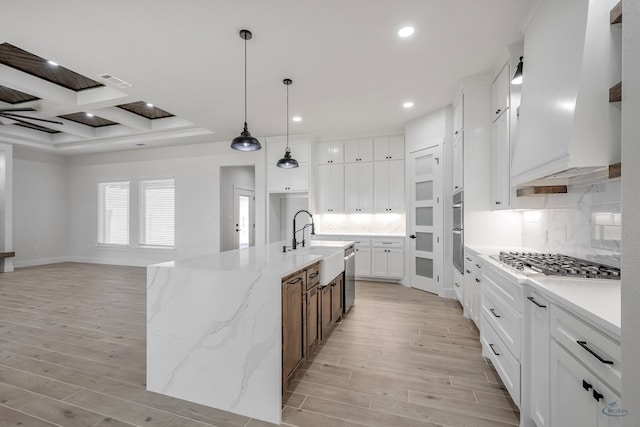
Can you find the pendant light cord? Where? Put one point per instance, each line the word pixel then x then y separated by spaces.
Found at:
pixel 245 82
pixel 287 118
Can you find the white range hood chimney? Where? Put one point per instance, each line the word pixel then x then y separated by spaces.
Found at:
pixel 567 126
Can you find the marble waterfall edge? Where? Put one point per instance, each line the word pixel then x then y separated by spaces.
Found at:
pixel 229 355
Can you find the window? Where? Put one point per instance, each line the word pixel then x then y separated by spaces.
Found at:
pixel 158 212
pixel 113 213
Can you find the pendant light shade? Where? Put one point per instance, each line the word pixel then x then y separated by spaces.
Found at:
pixel 245 142
pixel 287 162
pixel 517 77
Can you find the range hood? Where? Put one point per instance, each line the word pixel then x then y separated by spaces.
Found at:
pixel 567 126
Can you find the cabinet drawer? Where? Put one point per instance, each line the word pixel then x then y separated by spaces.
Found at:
pixel 508 290
pixel 313 275
pixel 597 351
pixel 506 365
pixel 383 243
pixel 360 242
pixel 505 321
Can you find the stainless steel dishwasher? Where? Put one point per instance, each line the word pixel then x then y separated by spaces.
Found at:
pixel 349 289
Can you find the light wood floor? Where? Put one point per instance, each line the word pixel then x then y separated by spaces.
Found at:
pixel 72 353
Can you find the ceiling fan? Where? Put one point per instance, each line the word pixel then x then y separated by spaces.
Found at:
pixel 9 113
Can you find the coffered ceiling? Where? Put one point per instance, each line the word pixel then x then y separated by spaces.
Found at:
pixel 351 72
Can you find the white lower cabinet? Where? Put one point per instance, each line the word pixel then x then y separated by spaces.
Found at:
pixel 472 286
pixel 458 286
pixel 537 319
pixel 363 261
pixel 387 263
pixel 578 398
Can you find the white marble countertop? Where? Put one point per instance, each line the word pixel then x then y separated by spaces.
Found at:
pixel 597 301
pixel 266 259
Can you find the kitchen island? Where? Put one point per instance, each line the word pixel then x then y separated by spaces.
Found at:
pixel 214 326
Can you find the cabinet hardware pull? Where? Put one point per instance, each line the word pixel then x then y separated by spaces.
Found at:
pixel 498 203
pixel 586 385
pixel 478 265
pixel 494 350
pixel 584 345
pixel 498 111
pixel 413 236
pixel 469 259
pixel 494 312
pixel 477 280
pixel 457 285
pixel 597 396
pixel 468 272
pixel 293 282
pixel 536 302
pixel 312 275
pixel 455 133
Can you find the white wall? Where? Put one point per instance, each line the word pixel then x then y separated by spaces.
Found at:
pixel 196 169
pixel 40 201
pixel 631 212
pixel 232 177
pixel 431 129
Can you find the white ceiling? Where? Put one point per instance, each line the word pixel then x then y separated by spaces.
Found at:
pixel 351 72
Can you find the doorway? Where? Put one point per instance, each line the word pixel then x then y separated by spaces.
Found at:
pixel 426 226
pixel 237 207
pixel 244 217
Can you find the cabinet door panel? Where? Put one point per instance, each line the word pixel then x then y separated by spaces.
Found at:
pixel 351 190
pixel 539 347
pixel 324 153
pixel 298 178
pixel 379 262
pixel 381 148
pixel 337 152
pixel 395 263
pixel 336 300
pixel 396 147
pixel 363 262
pixel 337 187
pixel 276 179
pixel 351 151
pixel 365 150
pixel 381 186
pixel 325 311
pixel 365 186
pixel 325 188
pixel 396 186
pixel 292 324
pixel 571 404
pixel 501 158
pixel 313 325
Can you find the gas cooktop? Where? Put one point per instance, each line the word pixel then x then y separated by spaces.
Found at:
pixel 530 263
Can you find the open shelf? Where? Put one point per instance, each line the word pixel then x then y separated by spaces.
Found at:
pixel 615 170
pixel 616 14
pixel 615 93
pixel 541 190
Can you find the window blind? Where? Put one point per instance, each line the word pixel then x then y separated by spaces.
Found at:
pixel 113 221
pixel 158 212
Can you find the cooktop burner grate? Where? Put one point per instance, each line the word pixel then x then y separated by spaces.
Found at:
pixel 558 265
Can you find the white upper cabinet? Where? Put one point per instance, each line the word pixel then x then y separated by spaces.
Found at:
pixel 276 146
pixel 331 188
pixel 281 180
pixel 330 152
pixel 458 116
pixel 500 92
pixel 358 150
pixel 388 148
pixel 501 186
pixel 458 162
pixel 571 59
pixel 388 185
pixel 358 191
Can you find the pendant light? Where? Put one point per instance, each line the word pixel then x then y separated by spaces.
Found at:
pixel 517 77
pixel 287 162
pixel 245 142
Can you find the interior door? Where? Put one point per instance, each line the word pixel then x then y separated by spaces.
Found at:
pixel 244 217
pixel 425 211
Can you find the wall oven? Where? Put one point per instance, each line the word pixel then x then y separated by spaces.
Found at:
pixel 458 231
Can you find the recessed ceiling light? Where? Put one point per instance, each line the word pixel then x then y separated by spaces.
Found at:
pixel 55 64
pixel 296 118
pixel 406 31
pixel 89 114
pixel 149 104
pixel 408 104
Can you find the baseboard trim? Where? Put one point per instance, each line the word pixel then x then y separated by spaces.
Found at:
pixel 113 261
pixel 39 261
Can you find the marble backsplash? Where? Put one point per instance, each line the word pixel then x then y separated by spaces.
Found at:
pixel 361 224
pixel 585 223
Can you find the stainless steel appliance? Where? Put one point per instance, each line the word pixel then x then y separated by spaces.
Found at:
pixel 534 263
pixel 458 231
pixel 349 288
